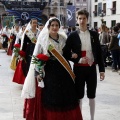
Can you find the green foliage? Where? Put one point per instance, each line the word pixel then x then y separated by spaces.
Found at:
pixel 16 51
pixel 37 62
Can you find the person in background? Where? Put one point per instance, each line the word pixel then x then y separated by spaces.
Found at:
pixel 108 33
pixel 27 46
pixel 104 41
pixel 69 31
pixel 14 33
pixel 118 25
pixel 73 29
pixel 83 48
pixel 115 49
pixel 96 29
pixel 15 57
pixel 6 35
pixel 40 26
pixel 103 36
pixel 52 15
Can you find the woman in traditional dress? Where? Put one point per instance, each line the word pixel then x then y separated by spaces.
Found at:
pixel 14 58
pixel 19 35
pixel 27 46
pixel 14 31
pixel 6 36
pixel 56 99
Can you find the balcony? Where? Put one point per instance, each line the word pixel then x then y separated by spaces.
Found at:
pixel 113 10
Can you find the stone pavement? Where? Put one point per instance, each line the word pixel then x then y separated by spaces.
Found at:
pixel 11 104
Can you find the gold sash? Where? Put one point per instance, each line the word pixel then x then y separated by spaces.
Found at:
pixel 31 36
pixel 62 60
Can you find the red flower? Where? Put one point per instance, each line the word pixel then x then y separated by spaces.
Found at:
pixel 11 37
pixel 17 45
pixel 3 35
pixel 42 57
pixel 22 53
pixel 35 41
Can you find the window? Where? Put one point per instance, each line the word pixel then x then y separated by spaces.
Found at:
pixel 113 23
pixel 104 8
pixel 114 8
pixel 95 24
pixel 61 3
pixel 69 3
pixel 95 12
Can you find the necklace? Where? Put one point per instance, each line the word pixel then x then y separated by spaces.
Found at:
pixel 57 44
pixel 56 40
pixel 34 32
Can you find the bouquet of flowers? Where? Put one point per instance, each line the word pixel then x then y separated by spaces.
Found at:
pixel 3 35
pixel 15 57
pixel 40 61
pixel 22 54
pixel 11 38
pixel 16 49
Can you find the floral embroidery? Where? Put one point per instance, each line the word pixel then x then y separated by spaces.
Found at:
pixel 31 36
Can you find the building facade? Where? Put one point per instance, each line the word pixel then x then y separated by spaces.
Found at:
pixel 84 4
pixel 105 11
pixel 58 7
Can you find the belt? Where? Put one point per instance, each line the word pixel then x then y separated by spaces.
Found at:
pixel 79 64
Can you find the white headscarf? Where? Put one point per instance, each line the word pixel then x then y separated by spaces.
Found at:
pixel 6 32
pixel 23 35
pixel 29 87
pixel 18 36
pixel 16 42
pixel 44 36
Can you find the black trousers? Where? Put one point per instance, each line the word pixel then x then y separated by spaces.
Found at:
pixel 104 52
pixel 86 75
pixel 116 58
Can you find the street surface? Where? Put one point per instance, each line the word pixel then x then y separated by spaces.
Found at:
pixel 11 103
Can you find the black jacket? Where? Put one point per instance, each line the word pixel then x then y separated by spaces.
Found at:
pixel 73 44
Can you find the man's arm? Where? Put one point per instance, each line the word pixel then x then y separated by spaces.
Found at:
pixel 69 51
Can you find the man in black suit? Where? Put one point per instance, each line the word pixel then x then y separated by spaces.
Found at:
pixel 83 48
